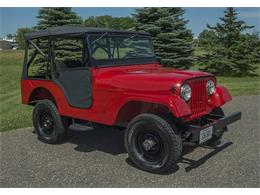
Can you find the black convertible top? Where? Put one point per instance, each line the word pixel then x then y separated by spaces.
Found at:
pixel 62 30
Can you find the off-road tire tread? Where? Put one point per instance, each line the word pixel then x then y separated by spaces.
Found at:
pixel 61 131
pixel 174 141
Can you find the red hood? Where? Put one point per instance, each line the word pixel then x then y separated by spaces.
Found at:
pixel 146 77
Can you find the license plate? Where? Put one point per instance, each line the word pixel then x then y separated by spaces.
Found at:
pixel 206 134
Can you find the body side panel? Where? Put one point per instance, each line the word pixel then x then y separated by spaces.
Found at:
pixel 113 87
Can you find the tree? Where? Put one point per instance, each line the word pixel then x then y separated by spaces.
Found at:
pixel 64 50
pixel 57 16
pixel 10 36
pixel 20 36
pixel 207 39
pixel 246 54
pixel 228 51
pixel 172 40
pixel 118 23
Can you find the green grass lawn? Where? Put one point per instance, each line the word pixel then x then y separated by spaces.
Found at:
pixel 12 113
pixel 241 86
pixel 238 86
pixel 15 115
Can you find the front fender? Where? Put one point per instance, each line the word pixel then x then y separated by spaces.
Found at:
pixel 179 107
pixel 175 104
pixel 221 96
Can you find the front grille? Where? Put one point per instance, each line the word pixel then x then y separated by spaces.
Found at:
pixel 198 101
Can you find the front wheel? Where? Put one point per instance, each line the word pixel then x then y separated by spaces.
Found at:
pixel 152 144
pixel 49 125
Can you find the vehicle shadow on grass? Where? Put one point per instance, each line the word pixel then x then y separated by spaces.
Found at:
pixel 111 141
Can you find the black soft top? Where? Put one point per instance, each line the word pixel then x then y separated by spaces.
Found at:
pixel 63 30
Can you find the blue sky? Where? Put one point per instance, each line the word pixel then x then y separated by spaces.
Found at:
pixel 13 18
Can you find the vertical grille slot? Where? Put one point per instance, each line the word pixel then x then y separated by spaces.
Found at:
pixel 199 96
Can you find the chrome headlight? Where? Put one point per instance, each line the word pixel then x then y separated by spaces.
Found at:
pixel 210 87
pixel 185 92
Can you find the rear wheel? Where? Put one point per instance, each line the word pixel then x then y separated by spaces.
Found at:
pixel 49 125
pixel 152 144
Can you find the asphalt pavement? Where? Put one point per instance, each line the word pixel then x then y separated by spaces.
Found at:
pixel 98 158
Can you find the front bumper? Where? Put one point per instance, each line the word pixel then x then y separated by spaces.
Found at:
pixel 216 122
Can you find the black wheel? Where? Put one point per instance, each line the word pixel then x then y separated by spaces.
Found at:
pixel 49 125
pixel 217 134
pixel 152 144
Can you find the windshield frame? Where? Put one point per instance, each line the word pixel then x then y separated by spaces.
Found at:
pixel 119 62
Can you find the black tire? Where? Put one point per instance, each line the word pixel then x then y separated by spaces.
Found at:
pixel 217 134
pixel 66 122
pixel 48 124
pixel 152 143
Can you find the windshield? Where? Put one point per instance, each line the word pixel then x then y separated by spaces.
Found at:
pixel 120 47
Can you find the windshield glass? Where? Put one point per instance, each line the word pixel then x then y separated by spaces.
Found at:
pixel 120 47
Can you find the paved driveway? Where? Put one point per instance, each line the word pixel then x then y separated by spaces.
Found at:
pixel 98 159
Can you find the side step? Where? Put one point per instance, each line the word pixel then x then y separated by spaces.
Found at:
pixel 81 127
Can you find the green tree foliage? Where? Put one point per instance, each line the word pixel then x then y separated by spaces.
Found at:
pixel 57 16
pixel 172 40
pixel 10 36
pixel 20 36
pixel 207 40
pixel 52 17
pixel 246 54
pixel 229 52
pixel 118 23
pixel 68 52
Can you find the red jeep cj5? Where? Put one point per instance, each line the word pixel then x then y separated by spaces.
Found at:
pixel 90 76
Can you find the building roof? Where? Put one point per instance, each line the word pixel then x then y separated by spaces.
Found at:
pixel 62 30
